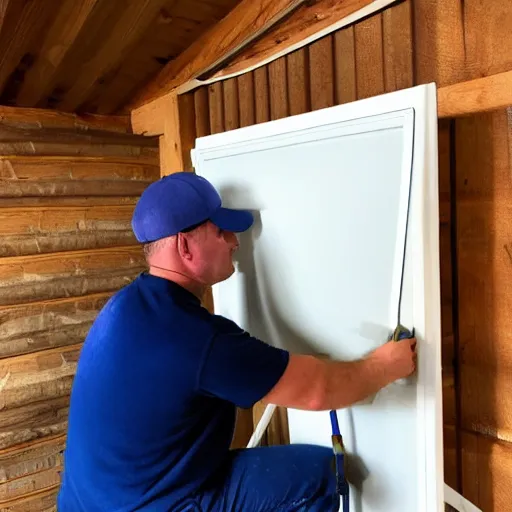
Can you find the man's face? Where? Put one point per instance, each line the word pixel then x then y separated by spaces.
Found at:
pixel 212 250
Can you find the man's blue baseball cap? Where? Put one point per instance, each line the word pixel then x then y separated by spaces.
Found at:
pixel 180 201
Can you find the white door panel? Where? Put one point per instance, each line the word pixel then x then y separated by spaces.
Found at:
pixel 334 194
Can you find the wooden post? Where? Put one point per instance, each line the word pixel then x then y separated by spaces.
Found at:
pixel 174 122
pixel 178 133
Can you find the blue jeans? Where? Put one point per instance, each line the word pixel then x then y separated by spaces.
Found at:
pixel 294 478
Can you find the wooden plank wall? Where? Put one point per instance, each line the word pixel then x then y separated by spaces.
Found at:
pixel 446 41
pixel 68 186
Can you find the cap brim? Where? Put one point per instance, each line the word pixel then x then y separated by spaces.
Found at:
pixel 236 221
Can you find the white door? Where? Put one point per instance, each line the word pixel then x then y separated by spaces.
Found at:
pixel 345 244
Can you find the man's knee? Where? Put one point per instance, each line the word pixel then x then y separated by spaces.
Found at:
pixel 318 482
pixel 298 478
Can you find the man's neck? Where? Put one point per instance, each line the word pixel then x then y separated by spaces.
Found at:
pixel 198 289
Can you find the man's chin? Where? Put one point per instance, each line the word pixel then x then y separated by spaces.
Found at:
pixel 226 276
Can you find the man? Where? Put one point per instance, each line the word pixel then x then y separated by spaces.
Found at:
pixel 159 378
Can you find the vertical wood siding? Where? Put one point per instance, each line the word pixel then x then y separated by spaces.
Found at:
pixel 446 41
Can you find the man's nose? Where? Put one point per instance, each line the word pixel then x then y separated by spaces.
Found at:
pixel 231 239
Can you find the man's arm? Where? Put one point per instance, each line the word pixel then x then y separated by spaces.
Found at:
pixel 314 384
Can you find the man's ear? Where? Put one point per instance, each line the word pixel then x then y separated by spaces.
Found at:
pixel 184 247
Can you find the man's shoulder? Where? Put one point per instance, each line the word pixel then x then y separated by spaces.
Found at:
pixel 125 298
pixel 222 324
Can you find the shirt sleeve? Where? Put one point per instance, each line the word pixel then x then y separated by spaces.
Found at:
pixel 240 368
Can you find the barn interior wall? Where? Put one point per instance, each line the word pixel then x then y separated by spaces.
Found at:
pixel 410 43
pixel 68 185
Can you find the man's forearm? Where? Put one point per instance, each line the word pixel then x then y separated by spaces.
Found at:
pixel 346 383
pixel 315 384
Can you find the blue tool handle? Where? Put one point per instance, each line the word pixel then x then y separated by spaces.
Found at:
pixel 345 501
pixel 401 333
pixel 334 424
pixel 405 335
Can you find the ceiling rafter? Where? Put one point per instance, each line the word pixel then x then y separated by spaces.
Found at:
pixel 131 25
pixel 61 35
pixel 93 55
pixel 248 20
pixel 22 23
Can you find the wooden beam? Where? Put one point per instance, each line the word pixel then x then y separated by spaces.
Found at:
pixel 133 21
pixel 149 120
pixel 480 95
pixel 3 11
pixel 243 24
pixel 40 118
pixel 310 22
pixel 61 34
pixel 23 23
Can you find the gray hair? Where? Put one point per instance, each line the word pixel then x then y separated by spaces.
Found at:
pixel 151 248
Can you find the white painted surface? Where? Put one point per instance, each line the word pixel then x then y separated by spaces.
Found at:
pixel 262 426
pixel 457 501
pixel 321 269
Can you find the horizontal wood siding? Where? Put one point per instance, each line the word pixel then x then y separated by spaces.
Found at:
pixel 42 119
pixel 68 187
pixel 410 43
pixel 37 229
pixel 31 467
pixel 57 275
pixel 47 324
pixel 40 501
pixel 37 420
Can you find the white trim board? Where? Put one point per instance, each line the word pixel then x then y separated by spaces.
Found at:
pixel 224 158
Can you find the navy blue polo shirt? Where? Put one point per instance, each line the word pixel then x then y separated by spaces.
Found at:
pixel 154 398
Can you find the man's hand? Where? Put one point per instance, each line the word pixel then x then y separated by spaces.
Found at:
pixel 315 384
pixel 398 358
